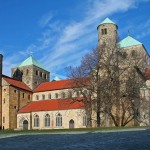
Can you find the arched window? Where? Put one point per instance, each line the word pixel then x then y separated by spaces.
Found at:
pixel 49 96
pixel 47 120
pixel 78 94
pixel 43 97
pixel 36 121
pixel 85 92
pixel 56 95
pixel 37 97
pixel 69 94
pixel 41 74
pixel 84 120
pixel 44 76
pixel 63 95
pixel 27 72
pixel 36 72
pixel 59 120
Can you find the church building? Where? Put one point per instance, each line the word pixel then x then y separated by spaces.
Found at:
pixel 29 100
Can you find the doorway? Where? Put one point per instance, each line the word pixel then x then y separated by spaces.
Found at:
pixel 71 124
pixel 25 125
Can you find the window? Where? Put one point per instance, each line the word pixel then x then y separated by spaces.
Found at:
pixel 28 97
pixel 22 95
pixel 78 94
pixel 27 72
pixel 85 120
pixel 47 120
pixel 36 82
pixel 69 94
pixel 36 121
pixel 43 96
pixel 104 31
pixel 49 96
pixel 4 101
pixel 15 107
pixel 63 95
pixel 15 91
pixel 36 72
pixel 85 92
pixel 44 76
pixel 41 74
pixel 37 97
pixel 59 120
pixel 56 95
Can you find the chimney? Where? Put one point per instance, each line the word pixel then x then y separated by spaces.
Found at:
pixel 1 62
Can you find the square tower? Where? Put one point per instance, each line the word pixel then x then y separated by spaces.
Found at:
pixel 31 72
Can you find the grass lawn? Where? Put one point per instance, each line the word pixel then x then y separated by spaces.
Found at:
pixel 6 132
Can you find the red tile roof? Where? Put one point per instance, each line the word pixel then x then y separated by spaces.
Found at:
pixel 51 105
pixel 16 83
pixel 58 85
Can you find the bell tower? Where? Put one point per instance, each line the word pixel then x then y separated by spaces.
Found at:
pixel 107 33
pixel 31 72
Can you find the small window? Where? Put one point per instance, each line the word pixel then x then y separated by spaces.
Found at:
pixel 4 101
pixel 15 107
pixel 27 72
pixel 102 31
pixel 22 95
pixel 41 74
pixel 15 91
pixel 36 82
pixel 28 97
pixel 84 120
pixel 69 94
pixel 49 96
pixel 37 97
pixel 56 95
pixel 105 31
pixel 63 95
pixel 85 92
pixel 36 72
pixel 78 94
pixel 43 97
pixel 44 76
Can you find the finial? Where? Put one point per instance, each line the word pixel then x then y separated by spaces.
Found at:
pixel 31 53
pixel 128 32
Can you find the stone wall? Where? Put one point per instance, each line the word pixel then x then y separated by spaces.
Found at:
pixel 31 75
pixel 67 115
pixel 13 99
pixel 110 37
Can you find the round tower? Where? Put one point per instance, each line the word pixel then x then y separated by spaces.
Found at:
pixel 107 33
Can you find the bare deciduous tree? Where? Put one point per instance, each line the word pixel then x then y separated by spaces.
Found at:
pixel 114 81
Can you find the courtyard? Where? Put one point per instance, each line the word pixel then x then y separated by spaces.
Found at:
pixel 117 140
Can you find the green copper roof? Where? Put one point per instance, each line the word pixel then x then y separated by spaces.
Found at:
pixel 30 61
pixel 107 21
pixel 129 41
pixel 57 78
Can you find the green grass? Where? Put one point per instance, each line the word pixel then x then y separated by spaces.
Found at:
pixel 6 132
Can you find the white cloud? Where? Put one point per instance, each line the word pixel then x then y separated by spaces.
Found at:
pixel 61 44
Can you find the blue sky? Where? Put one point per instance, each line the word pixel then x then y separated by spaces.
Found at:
pixel 60 32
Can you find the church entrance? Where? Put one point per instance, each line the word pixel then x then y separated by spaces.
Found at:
pixel 25 125
pixel 71 124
